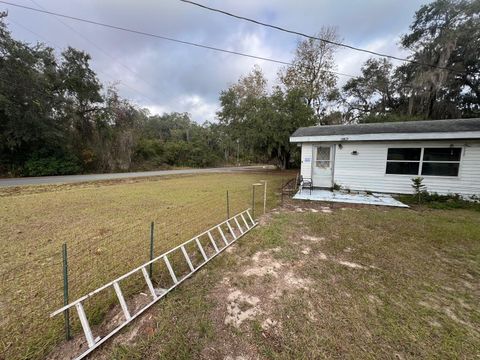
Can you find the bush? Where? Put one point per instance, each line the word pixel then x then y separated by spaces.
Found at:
pixel 450 201
pixel 52 165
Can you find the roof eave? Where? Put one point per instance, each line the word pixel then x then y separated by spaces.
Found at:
pixel 389 137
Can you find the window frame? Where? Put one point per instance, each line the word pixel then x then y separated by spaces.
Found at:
pixel 421 161
pixel 329 161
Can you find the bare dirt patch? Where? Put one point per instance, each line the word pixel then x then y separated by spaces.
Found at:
pixel 241 307
pixel 270 279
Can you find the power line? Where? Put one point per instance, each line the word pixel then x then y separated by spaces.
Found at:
pixel 59 49
pixel 139 32
pixel 317 38
pixel 95 45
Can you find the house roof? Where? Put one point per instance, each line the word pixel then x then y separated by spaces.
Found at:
pixel 395 130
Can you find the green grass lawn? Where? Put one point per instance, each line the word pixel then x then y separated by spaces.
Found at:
pixel 357 282
pixel 106 226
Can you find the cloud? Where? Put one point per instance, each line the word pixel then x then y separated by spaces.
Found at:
pixel 165 76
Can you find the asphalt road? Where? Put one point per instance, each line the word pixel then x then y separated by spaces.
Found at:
pixel 94 177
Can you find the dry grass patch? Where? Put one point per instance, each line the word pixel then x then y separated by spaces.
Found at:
pixel 106 226
pixel 376 283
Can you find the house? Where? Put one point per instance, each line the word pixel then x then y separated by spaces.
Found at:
pixel 384 157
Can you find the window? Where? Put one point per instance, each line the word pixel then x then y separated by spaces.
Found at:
pixel 322 160
pixel 426 161
pixel 441 161
pixel 403 161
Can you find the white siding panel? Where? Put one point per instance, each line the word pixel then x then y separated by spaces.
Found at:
pixel 366 171
pixel 306 165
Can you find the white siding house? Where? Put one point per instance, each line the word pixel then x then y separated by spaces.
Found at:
pixel 385 157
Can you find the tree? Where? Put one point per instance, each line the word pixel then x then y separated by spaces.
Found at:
pixel 445 33
pixel 263 122
pixel 289 111
pixel 28 96
pixel 241 108
pixel 311 70
pixel 373 94
pixel 82 102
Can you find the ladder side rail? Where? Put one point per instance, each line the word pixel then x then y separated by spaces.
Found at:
pixel 96 291
pixel 120 327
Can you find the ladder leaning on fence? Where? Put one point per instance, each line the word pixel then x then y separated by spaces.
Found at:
pixel 224 231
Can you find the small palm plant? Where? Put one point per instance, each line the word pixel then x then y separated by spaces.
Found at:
pixel 419 187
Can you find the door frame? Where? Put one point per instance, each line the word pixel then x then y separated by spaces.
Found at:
pixel 333 149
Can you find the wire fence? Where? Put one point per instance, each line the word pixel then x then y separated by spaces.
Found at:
pixel 33 286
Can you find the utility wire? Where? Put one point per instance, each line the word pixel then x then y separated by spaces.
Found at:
pixel 139 32
pixel 95 45
pixel 59 49
pixel 318 38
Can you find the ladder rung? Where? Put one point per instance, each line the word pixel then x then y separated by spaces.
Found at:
pixel 231 230
pixel 223 235
pixel 157 293
pixel 85 325
pixel 250 216
pixel 201 249
pixel 121 299
pixel 149 282
pixel 238 225
pixel 212 240
pixel 170 270
pixel 245 221
pixel 187 258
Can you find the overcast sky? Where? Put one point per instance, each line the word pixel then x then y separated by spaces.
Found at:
pixel 165 76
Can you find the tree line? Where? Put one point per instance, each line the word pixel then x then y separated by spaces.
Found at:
pixel 57 118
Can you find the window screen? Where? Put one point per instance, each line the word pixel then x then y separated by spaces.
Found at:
pixel 402 168
pixel 441 161
pixel 403 161
pixel 442 154
pixel 404 154
pixel 432 162
pixel 323 157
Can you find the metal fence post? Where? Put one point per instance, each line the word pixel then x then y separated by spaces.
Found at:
pixel 228 206
pixel 253 201
pixel 265 197
pixel 66 313
pixel 150 267
pixel 281 192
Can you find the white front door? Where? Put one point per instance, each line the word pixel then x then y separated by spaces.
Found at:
pixel 322 166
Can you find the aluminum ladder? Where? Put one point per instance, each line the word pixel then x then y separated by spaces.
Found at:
pixel 225 233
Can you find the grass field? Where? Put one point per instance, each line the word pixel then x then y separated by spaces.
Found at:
pixel 106 226
pixel 348 283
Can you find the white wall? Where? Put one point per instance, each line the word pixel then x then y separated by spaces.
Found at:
pixel 306 160
pixel 366 171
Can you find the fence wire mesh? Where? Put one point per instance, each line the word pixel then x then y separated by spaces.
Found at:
pixel 32 281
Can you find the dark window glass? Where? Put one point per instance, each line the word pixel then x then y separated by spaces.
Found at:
pixel 442 154
pixel 406 168
pixel 404 154
pixel 440 169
